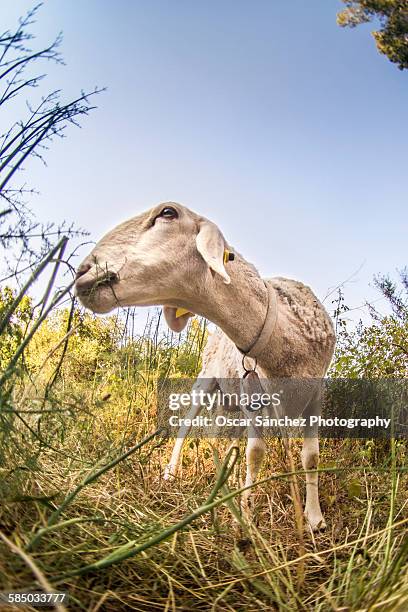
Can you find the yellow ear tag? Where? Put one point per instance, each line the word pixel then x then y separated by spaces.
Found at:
pixel 228 256
pixel 182 311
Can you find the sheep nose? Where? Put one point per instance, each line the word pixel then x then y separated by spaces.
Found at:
pixel 83 269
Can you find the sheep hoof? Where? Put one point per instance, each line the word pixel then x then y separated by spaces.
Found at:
pixel 169 472
pixel 315 521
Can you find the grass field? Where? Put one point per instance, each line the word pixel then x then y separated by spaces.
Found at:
pixel 85 509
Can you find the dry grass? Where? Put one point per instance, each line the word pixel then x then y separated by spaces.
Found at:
pixel 359 563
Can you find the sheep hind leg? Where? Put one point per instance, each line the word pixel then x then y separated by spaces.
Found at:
pixel 255 452
pixel 310 461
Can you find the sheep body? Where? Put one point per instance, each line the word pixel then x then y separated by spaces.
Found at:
pixel 301 347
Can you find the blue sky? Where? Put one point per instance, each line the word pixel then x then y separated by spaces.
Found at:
pixel 266 117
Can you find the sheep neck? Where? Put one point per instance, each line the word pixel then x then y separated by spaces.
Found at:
pixel 239 308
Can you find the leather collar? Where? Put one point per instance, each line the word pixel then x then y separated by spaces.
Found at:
pixel 265 334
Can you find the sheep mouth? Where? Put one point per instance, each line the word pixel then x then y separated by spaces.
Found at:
pixel 87 285
pixel 100 297
pixel 98 286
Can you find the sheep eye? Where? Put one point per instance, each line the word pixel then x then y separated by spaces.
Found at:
pixel 168 213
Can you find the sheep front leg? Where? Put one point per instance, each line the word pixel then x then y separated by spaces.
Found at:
pixel 255 452
pixel 207 386
pixel 310 461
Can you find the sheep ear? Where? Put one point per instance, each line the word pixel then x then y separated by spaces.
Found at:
pixel 211 245
pixel 175 321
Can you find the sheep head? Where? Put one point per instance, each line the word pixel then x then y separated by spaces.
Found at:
pixel 165 256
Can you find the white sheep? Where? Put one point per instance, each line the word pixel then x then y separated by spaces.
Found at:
pixel 173 257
